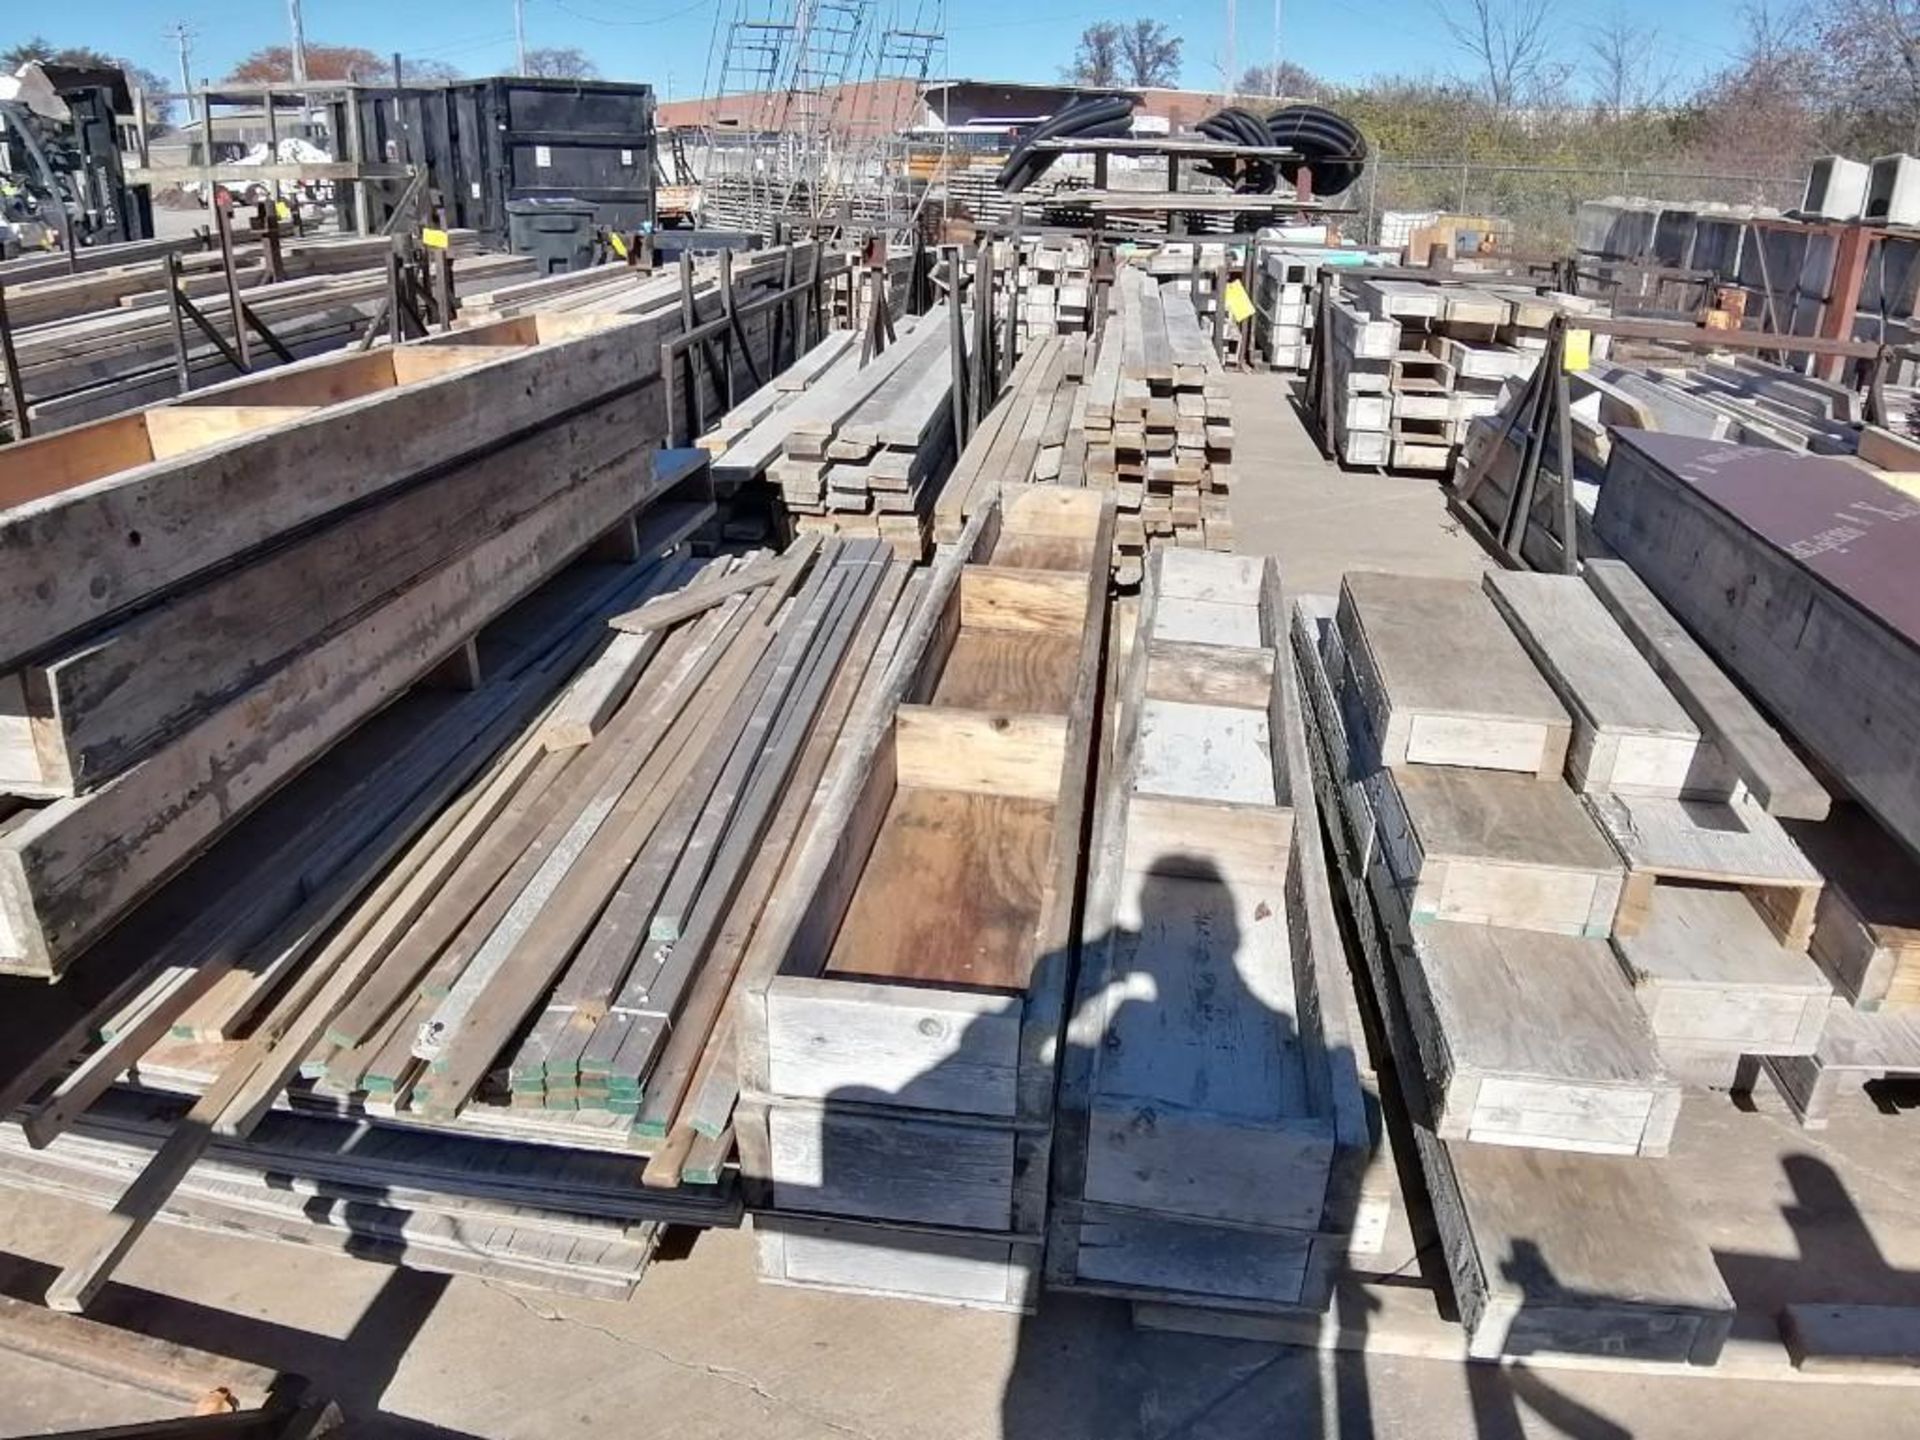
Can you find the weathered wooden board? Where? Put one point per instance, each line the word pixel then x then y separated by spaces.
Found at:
pixel 1494 849
pixel 976 1272
pixel 1866 927
pixel 1439 678
pixel 1856 1047
pixel 1771 773
pixel 1629 732
pixel 885 1167
pixel 1709 971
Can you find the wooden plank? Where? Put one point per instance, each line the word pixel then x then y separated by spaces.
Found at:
pixel 1866 927
pixel 128 1357
pixel 80 863
pixel 1205 752
pixel 1439 679
pixel 1494 849
pixel 1772 773
pixel 1709 971
pixel 1014 756
pixel 1790 570
pixel 1629 733
pixel 105 704
pixel 1022 599
pixel 669 610
pixel 887 1168
pixel 951 891
pixel 141 530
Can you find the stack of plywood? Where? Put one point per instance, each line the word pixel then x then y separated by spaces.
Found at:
pixel 1549 1247
pixel 1286 280
pixel 1214 1132
pixel 905 997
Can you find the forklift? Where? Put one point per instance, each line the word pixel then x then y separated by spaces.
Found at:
pixel 62 181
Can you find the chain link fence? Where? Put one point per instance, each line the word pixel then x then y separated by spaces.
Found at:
pixel 1539 201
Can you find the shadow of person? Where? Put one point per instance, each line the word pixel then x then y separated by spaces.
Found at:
pixel 1177 1059
pixel 1837 1258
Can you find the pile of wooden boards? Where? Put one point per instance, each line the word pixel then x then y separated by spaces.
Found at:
pixel 1034 433
pixel 1794 572
pixel 1412 364
pixel 1520 1051
pixel 1214 1136
pixel 904 1000
pixel 1051 284
pixel 1159 424
pixel 865 448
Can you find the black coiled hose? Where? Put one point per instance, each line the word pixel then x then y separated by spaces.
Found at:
pixel 1334 149
pixel 1088 117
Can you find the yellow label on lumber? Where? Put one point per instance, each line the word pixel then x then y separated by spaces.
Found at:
pixel 434 239
pixel 1239 303
pixel 282 211
pixel 1578 354
pixel 618 242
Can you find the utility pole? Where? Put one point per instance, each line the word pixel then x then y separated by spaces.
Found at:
pixel 520 34
pixel 1233 80
pixel 183 38
pixel 1274 78
pixel 299 49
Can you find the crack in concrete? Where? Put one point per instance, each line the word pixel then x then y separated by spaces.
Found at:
pixel 740 1379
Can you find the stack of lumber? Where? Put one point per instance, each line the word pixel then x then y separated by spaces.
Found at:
pixel 1791 571
pixel 105 362
pixel 1159 423
pixel 1034 433
pixel 1528 1034
pixel 1286 277
pixel 1414 364
pixel 1214 1133
pixel 1052 284
pixel 1549 1247
pixel 904 999
pixel 865 449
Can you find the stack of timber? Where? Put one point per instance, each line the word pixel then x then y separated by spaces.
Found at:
pixel 105 362
pixel 1791 572
pixel 1035 433
pixel 1285 279
pixel 1159 423
pixel 865 449
pixel 538 979
pixel 1549 1246
pixel 1214 1134
pixel 253 940
pixel 1414 364
pixel 1051 289
pixel 1507 884
pixel 904 1000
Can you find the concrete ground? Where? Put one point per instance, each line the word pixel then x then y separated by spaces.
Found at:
pixel 705 1351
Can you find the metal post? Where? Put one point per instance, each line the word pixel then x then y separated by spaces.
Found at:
pixel 224 221
pixel 1563 437
pixel 183 377
pixel 520 36
pixel 10 372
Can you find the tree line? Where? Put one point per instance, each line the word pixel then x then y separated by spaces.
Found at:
pixel 273 64
pixel 1538 82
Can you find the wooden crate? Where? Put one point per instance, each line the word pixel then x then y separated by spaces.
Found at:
pixel 898 1063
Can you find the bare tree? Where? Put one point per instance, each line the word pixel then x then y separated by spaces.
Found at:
pixel 1629 74
pixel 1286 80
pixel 561 62
pixel 1151 53
pixel 1870 51
pixel 1097 60
pixel 1511 44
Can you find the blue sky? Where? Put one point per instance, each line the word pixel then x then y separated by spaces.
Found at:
pixel 667 42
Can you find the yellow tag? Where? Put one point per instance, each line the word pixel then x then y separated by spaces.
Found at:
pixel 282 210
pixel 434 239
pixel 1579 351
pixel 1239 303
pixel 618 243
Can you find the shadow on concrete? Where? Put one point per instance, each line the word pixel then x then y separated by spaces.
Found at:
pixel 354 1370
